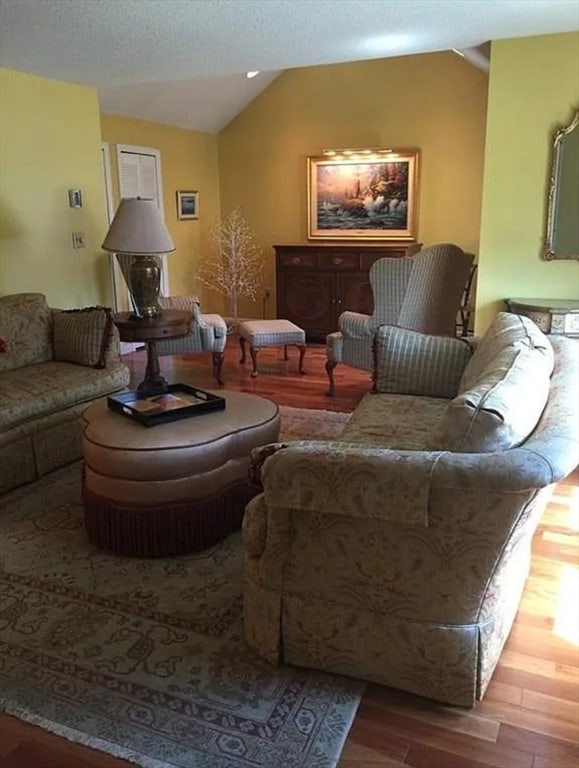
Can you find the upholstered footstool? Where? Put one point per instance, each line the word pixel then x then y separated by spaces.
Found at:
pixel 271 333
pixel 171 488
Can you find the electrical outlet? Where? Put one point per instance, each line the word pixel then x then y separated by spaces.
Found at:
pixel 78 240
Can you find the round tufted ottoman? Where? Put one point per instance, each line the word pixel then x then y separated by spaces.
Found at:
pixel 172 488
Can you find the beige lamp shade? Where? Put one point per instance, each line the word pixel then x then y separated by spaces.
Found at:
pixel 138 229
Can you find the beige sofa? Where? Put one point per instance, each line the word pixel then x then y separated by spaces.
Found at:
pixel 53 363
pixel 399 552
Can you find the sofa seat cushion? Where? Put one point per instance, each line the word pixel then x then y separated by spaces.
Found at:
pixel 402 422
pixel 508 388
pixel 26 328
pixel 37 390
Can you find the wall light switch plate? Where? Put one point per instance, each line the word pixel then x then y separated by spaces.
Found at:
pixel 75 198
pixel 78 240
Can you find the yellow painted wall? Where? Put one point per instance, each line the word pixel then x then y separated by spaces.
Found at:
pixel 50 142
pixel 534 86
pixel 189 161
pixel 435 102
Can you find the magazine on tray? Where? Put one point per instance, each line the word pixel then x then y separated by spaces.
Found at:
pixel 179 401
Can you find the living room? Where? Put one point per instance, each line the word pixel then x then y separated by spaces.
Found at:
pixel 485 145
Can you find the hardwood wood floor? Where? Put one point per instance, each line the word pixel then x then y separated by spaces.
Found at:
pixel 530 715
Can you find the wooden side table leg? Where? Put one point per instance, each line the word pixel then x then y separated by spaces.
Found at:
pixel 242 345
pixel 253 352
pixel 302 349
pixel 330 365
pixel 285 354
pixel 217 365
pixel 153 379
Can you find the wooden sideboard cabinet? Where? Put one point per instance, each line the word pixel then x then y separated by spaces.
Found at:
pixel 317 282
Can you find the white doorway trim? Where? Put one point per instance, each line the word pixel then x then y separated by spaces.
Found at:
pixel 121 294
pixel 106 158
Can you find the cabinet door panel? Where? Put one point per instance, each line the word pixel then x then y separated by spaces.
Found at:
pixel 354 293
pixel 308 299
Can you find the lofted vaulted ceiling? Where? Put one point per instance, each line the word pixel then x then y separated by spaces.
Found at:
pixel 183 62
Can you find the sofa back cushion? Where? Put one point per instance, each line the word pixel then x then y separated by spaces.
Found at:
pixel 25 330
pixel 503 391
pixel 413 363
pixel 83 336
pixel 507 330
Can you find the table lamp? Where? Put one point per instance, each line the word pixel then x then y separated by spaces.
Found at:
pixel 138 230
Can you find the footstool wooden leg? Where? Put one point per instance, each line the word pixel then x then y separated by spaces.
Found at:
pixel 330 365
pixel 217 365
pixel 253 352
pixel 302 349
pixel 285 354
pixel 242 345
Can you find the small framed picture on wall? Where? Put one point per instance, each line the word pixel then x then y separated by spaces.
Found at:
pixel 187 204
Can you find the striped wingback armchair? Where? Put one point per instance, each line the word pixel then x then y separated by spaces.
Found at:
pixel 419 293
pixel 207 333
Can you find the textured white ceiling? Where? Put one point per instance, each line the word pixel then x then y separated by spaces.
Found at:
pixel 182 62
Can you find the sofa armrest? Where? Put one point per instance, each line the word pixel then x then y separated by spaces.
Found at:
pixel 352 480
pixel 356 326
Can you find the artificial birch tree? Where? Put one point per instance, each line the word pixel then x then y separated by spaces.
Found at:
pixel 236 266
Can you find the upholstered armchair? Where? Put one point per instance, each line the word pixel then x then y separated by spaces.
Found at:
pixel 420 293
pixel 207 333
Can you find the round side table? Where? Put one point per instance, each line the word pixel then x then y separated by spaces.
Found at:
pixel 170 324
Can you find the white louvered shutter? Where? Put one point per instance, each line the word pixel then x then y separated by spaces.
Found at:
pixel 139 177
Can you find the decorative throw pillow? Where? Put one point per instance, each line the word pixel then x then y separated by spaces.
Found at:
pixel 83 336
pixel 413 363
pixel 506 330
pixel 257 459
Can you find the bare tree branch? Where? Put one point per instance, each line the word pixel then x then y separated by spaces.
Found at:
pixel 236 266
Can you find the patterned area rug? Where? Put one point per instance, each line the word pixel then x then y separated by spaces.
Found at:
pixel 145 659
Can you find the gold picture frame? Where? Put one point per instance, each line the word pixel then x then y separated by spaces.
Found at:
pixel 366 194
pixel 562 226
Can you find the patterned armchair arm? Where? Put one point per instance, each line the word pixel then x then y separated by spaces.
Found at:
pixel 357 326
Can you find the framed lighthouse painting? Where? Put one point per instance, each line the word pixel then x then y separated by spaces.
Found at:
pixel 368 194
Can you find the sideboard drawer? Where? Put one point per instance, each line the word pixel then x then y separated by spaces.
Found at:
pixel 338 260
pixel 297 259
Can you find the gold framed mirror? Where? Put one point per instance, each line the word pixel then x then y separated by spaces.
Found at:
pixel 562 235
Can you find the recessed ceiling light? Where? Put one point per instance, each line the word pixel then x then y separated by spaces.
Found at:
pixel 252 74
